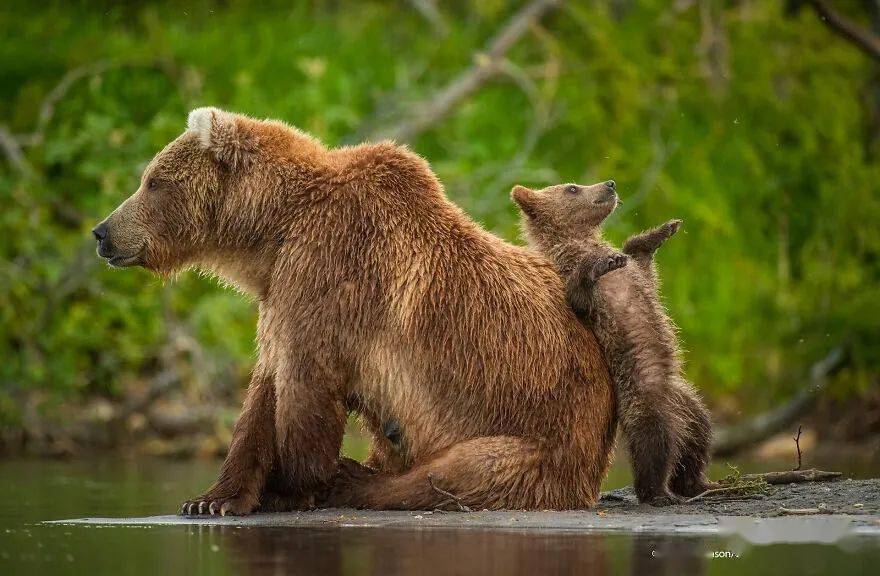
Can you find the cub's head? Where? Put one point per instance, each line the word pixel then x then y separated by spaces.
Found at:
pixel 182 207
pixel 564 210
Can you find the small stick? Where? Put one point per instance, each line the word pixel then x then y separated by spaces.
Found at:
pixel 797 443
pixel 462 507
pixel 804 511
pixel 724 489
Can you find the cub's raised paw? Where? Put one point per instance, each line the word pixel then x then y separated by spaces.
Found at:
pixel 208 505
pixel 671 227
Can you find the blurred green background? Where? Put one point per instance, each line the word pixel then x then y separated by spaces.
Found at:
pixel 750 120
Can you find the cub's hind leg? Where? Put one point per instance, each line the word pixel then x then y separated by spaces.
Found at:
pixel 689 474
pixel 653 439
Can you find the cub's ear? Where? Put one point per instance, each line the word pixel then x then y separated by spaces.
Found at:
pixel 224 135
pixel 526 199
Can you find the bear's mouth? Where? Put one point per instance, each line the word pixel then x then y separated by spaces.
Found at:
pixel 123 261
pixel 610 198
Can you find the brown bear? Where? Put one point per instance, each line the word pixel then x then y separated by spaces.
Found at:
pixel 378 294
pixel 666 425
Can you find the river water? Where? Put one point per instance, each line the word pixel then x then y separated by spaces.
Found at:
pixel 37 490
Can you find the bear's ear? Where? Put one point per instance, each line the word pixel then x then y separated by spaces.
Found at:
pixel 223 134
pixel 526 199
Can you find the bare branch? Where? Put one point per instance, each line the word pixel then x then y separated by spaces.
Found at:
pixel 12 149
pixel 486 66
pixel 797 443
pixel 731 440
pixel 860 37
pixel 12 144
pixel 428 10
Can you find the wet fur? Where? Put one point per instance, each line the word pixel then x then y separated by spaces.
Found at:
pixel 666 425
pixel 376 294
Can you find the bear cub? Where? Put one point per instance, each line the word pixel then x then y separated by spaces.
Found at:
pixel 666 425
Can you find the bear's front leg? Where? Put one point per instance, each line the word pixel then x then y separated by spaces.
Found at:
pixel 250 457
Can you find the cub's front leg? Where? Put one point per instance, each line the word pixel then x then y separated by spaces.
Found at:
pixel 581 283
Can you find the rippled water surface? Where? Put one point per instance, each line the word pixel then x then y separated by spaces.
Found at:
pixel 34 491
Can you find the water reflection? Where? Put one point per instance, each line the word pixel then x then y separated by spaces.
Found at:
pixel 433 552
pixel 43 490
pixel 665 555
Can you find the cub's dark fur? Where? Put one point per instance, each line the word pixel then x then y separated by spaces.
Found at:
pixel 667 427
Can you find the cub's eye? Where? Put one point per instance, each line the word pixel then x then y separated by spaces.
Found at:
pixel 152 184
pixel 571 189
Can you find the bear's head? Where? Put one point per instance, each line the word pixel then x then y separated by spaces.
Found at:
pixel 205 197
pixel 564 210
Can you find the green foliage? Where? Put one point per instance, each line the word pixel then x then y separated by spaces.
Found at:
pixel 766 153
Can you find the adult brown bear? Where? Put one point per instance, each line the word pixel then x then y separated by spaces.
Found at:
pixel 376 293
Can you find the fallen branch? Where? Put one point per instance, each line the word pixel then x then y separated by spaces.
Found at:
pixel 486 65
pixel 452 497
pixel 805 511
pixel 793 476
pixel 797 444
pixel 735 438
pixel 860 37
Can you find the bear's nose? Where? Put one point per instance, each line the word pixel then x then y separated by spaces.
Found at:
pixel 610 185
pixel 100 231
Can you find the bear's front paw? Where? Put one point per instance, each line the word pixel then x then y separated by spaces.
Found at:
pixel 217 504
pixel 607 264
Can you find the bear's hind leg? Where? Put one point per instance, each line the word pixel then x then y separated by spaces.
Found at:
pixel 492 472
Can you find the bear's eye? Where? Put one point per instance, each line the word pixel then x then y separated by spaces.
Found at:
pixel 152 184
pixel 572 189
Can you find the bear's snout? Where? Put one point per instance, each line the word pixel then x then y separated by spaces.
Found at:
pixel 101 232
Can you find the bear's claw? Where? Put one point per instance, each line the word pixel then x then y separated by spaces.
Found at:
pixel 207 505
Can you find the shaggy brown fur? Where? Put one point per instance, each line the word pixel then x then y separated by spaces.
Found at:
pixel 375 293
pixel 666 425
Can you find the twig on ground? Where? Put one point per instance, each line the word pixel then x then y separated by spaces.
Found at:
pixel 821 509
pixel 744 486
pixel 452 497
pixel 735 482
pixel 797 443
